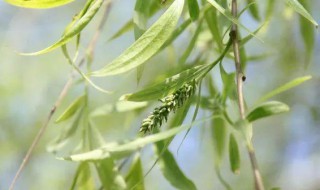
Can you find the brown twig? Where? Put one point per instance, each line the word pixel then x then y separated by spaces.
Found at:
pixel 63 93
pixel 240 79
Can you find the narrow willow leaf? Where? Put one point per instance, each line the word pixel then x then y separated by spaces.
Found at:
pixel 269 9
pixel 170 85
pixel 172 171
pixel 267 109
pixel 307 33
pixel 193 9
pixel 74 29
pixel 301 10
pixel 135 176
pixel 253 9
pixel 191 44
pixel 119 107
pixel 38 4
pixel 219 134
pixel 213 24
pixel 284 88
pixel 147 45
pixel 229 16
pixel 177 33
pixel 109 175
pixel 229 86
pixel 83 179
pixel 119 150
pixel 66 134
pixel 234 155
pixel 72 109
pixel 124 29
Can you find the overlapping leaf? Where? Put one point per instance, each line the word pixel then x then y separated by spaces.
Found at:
pixel 147 45
pixel 267 109
pixel 74 29
pixel 168 86
pixel 301 10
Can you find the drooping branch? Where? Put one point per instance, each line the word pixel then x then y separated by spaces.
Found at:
pixel 240 78
pixel 62 95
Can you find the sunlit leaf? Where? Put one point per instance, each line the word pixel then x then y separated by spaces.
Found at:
pixel 72 109
pixel 135 176
pixel 119 150
pixel 234 155
pixel 267 109
pixel 171 169
pixel 147 45
pixel 301 10
pixel 284 87
pixel 193 9
pixel 177 33
pixel 38 4
pixel 73 30
pixel 170 85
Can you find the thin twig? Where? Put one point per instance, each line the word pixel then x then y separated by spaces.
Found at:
pixel 240 79
pixel 62 95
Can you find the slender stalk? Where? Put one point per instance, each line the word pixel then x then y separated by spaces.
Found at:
pixel 62 95
pixel 240 79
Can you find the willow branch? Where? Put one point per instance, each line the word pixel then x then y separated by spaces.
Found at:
pixel 240 77
pixel 62 95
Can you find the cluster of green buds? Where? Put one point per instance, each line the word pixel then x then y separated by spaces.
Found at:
pixel 169 103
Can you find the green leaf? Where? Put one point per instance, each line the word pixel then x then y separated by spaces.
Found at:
pixel 168 86
pixel 229 16
pixel 219 134
pixel 147 45
pixel 72 109
pixel 176 33
pixel 38 4
pixel 285 87
pixel 124 29
pixel 171 169
pixel 83 179
pixel 229 86
pixel 191 44
pixel 307 33
pixel 65 134
pixel 119 107
pixel 73 30
pixel 135 176
pixel 253 9
pixel 109 175
pixel 295 5
pixel 267 109
pixel 193 9
pixel 119 150
pixel 269 9
pixel 234 155
pixel 213 24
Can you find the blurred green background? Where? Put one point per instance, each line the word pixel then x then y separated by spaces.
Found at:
pixel 287 146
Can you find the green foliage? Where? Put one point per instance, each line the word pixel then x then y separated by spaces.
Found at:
pixel 206 25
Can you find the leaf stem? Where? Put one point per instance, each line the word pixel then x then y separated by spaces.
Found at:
pixel 61 96
pixel 240 79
